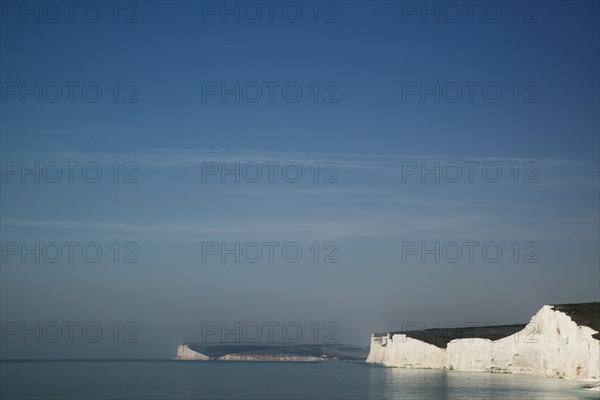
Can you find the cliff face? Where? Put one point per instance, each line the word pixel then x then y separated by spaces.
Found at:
pixel 268 357
pixel 552 345
pixel 185 353
pixel 271 352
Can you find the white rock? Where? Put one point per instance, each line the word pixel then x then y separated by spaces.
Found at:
pixel 185 353
pixel 551 345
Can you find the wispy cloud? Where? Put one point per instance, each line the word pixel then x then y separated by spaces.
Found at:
pixel 551 172
pixel 185 157
pixel 408 226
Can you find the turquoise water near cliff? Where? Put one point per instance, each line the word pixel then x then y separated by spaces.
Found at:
pixel 265 380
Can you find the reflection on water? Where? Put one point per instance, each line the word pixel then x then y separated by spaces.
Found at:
pixel 412 384
pixel 265 380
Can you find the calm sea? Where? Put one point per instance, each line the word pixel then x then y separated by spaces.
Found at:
pixel 264 380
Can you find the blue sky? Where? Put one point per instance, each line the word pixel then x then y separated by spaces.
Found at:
pixel 368 57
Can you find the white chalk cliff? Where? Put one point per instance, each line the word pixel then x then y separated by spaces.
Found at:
pixel 552 345
pixel 185 353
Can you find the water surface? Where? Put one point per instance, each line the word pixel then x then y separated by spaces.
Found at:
pixel 265 380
